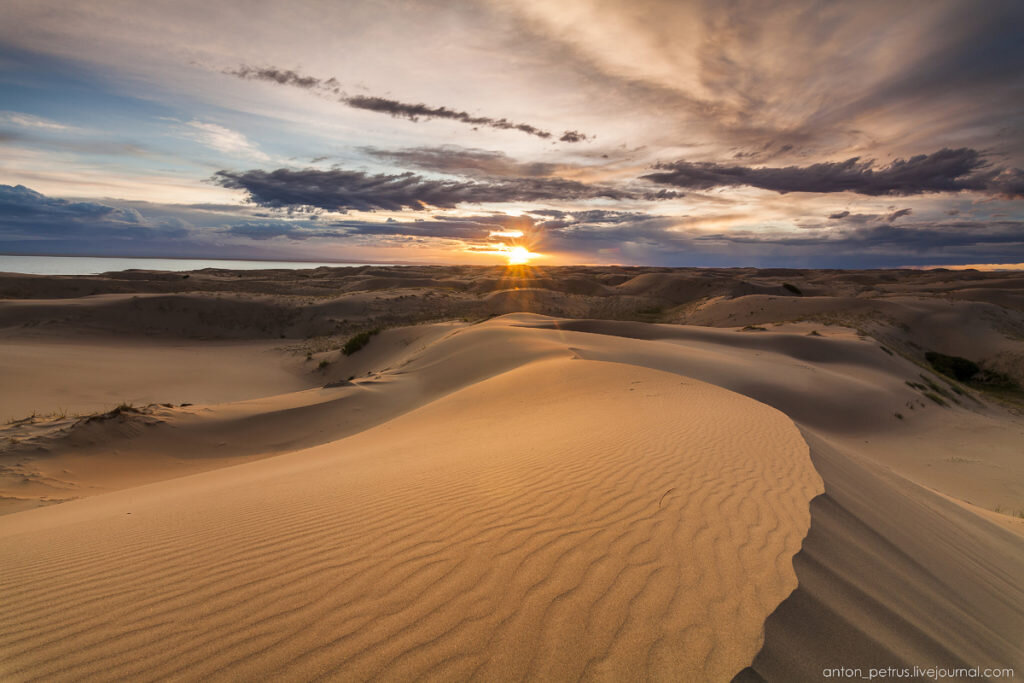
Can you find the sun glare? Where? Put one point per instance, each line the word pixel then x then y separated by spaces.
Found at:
pixel 518 256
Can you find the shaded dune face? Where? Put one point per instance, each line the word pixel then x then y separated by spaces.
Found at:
pixel 565 519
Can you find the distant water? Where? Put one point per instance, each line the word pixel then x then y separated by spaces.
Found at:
pixel 89 265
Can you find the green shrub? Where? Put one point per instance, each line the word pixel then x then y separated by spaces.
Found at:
pixel 358 341
pixel 956 367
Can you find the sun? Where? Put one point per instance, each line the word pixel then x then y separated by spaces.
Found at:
pixel 518 256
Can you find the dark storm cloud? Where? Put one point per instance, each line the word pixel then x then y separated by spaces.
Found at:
pixel 464 161
pixel 395 108
pixel 341 190
pixel 948 170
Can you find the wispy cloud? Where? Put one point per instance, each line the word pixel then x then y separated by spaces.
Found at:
pixel 392 107
pixel 464 161
pixel 223 139
pixel 29 121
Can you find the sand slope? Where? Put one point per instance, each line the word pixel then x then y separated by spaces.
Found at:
pixel 894 575
pixel 84 375
pixel 568 518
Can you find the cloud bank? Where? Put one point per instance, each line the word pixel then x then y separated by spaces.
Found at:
pixel 948 170
pixel 342 190
pixel 29 221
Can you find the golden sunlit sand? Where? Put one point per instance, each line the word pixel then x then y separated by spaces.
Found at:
pixel 493 495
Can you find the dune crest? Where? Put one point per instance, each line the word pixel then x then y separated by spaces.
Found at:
pixel 573 519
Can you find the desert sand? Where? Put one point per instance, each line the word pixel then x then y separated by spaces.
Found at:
pixel 529 474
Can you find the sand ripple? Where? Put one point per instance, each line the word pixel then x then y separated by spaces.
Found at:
pixel 569 519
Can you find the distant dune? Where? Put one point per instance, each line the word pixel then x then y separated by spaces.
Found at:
pixel 564 473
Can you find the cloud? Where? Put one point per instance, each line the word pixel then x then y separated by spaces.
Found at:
pixel 29 215
pixel 466 228
pixel 267 230
pixel 284 77
pixel 395 108
pixel 464 161
pixel 32 223
pixel 341 190
pixel 21 203
pixel 30 121
pixel 573 136
pixel 415 112
pixel 948 170
pixel 223 139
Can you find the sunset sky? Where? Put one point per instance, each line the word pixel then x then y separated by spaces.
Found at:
pixel 703 133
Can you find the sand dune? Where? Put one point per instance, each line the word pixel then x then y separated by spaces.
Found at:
pixel 521 496
pixel 539 537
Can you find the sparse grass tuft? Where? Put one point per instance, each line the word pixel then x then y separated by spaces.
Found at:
pixel 754 328
pixel 939 390
pixel 936 398
pixel 792 288
pixel 323 364
pixel 899 416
